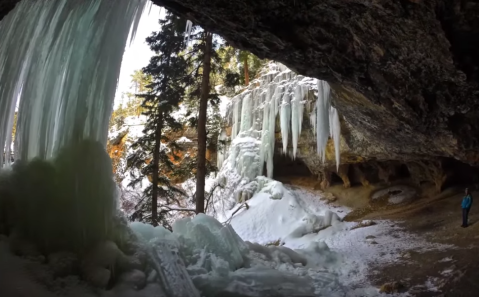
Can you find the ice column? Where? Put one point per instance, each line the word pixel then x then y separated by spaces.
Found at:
pixel 322 117
pixel 285 120
pixel 61 61
pixel 326 122
pixel 296 117
pixel 246 113
pixel 236 117
pixel 189 25
pixel 335 133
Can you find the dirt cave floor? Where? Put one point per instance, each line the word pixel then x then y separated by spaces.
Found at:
pixel 436 218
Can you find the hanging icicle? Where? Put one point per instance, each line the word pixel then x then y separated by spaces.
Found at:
pixel 322 117
pixel 327 122
pixel 264 131
pixel 246 113
pixel 189 26
pixel 61 61
pixel 236 118
pixel 285 120
pixel 296 118
pixel 335 134
pixel 280 92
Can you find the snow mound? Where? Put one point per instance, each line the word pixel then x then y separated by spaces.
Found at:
pixel 220 263
pixel 276 214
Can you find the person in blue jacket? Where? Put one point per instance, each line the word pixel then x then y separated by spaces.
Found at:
pixel 466 206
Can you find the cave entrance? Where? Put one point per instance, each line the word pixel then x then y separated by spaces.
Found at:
pixel 335 179
pixel 285 166
pixel 460 174
pixel 401 172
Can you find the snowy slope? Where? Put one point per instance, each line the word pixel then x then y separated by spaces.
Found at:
pixel 300 219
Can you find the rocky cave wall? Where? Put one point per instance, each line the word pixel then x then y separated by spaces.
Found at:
pixel 404 72
pixel 362 161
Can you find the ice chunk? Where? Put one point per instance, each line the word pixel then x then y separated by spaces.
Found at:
pixel 207 233
pixel 172 272
pixel 255 282
pixel 313 224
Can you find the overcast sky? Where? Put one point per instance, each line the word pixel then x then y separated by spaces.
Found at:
pixel 138 54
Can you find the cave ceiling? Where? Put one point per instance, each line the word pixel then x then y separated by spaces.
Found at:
pixel 405 73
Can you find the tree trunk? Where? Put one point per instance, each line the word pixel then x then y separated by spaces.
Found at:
pixel 205 91
pixel 156 169
pixel 246 70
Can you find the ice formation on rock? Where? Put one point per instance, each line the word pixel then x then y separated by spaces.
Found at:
pixel 323 105
pixel 296 117
pixel 221 152
pixel 189 26
pixel 60 62
pixel 280 91
pixel 335 133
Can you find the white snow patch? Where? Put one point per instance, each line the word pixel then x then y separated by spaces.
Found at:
pixel 447 259
pixel 300 218
pixel 431 284
pixel 225 101
pixel 183 139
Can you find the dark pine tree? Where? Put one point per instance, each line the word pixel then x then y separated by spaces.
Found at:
pixel 204 62
pixel 167 69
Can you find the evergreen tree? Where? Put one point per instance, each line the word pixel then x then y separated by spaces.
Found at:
pixel 204 95
pixel 167 69
pixel 204 62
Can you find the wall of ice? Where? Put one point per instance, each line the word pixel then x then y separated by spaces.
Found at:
pixel 60 62
pixel 277 101
pixel 279 92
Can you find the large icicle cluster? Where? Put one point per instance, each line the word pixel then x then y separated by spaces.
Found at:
pixel 325 121
pixel 281 91
pixel 60 62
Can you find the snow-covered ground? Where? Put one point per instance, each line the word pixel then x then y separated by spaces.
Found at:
pixel 270 217
pixel 345 251
pixel 274 240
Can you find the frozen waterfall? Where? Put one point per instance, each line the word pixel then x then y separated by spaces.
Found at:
pixel 280 91
pixel 60 64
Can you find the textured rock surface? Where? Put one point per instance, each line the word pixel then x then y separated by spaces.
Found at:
pixel 405 72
